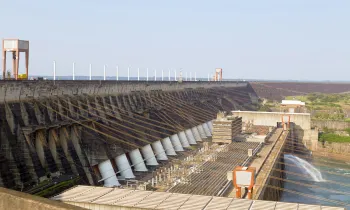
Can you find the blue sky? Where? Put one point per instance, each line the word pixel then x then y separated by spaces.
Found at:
pixel 270 39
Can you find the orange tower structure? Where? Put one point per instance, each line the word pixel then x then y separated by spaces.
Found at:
pixel 218 74
pixel 244 177
pixel 285 122
pixel 15 46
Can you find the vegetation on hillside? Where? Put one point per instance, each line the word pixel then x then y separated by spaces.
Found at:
pixel 322 107
pixel 266 105
pixel 323 98
pixel 326 106
pixel 265 108
pixel 330 135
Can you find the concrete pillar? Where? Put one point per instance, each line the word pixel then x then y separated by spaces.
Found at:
pixel 196 134
pixel 149 156
pixel 39 148
pixel 201 132
pixel 206 130
pixel 176 143
pixel 12 171
pixel 53 138
pixel 137 160
pixel 51 114
pixel 168 146
pixel 26 151
pixel 108 174
pixel 25 115
pixel 63 143
pixel 76 143
pixel 124 166
pixel 159 151
pixel 40 117
pixel 190 136
pixel 183 139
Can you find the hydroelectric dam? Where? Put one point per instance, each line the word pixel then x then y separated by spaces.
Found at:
pixel 101 130
pixel 165 143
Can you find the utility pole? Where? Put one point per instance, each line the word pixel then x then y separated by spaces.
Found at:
pixel 73 71
pixel 54 70
pixel 104 72
pixel 128 73
pixel 138 74
pixel 147 75
pixel 90 69
pixel 117 73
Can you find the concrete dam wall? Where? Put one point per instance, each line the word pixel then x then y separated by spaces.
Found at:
pixel 101 130
pixel 330 124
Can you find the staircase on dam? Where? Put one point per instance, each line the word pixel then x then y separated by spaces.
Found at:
pixel 96 130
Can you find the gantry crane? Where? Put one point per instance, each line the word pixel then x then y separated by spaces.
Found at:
pixel 15 46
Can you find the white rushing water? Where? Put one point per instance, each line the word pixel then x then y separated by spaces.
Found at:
pixel 309 169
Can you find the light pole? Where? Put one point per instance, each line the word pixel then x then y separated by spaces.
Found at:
pixel 138 74
pixel 117 73
pixel 104 72
pixel 147 74
pixel 90 69
pixel 54 70
pixel 73 71
pixel 128 73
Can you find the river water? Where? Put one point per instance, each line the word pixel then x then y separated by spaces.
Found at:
pixel 333 190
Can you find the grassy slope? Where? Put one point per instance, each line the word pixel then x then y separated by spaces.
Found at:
pixel 331 137
pixel 327 107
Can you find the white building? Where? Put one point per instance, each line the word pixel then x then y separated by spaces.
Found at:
pixel 292 106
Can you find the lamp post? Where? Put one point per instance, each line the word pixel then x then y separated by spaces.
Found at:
pixel 90 70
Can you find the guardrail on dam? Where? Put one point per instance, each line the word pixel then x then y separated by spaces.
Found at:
pixel 97 129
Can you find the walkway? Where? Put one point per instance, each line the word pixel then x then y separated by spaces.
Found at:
pixel 113 198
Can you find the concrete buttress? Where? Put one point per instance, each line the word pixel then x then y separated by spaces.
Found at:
pixel 67 149
pixel 74 132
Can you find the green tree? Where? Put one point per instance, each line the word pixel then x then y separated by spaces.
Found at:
pixel 312 97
